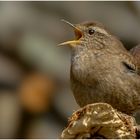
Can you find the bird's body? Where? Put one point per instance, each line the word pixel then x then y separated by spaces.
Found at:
pixel 102 70
pixel 103 77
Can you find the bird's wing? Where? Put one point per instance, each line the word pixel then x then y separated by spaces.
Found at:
pixel 135 51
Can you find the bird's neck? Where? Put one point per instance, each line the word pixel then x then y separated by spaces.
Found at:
pixel 76 53
pixel 80 63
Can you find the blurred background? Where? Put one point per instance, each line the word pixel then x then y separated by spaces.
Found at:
pixel 35 95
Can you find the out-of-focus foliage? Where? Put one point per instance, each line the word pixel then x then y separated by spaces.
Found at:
pixel 35 95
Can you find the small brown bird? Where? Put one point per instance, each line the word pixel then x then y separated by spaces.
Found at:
pixel 102 70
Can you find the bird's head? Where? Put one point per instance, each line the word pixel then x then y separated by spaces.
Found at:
pixel 88 34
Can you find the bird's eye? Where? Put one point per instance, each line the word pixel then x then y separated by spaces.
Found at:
pixel 91 31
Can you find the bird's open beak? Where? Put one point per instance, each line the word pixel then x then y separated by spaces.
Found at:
pixel 78 35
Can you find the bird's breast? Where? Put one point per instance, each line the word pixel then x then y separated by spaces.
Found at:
pixel 96 77
pixel 82 66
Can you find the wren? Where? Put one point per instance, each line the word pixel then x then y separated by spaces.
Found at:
pixel 102 69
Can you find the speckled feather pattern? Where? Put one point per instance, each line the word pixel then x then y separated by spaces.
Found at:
pixel 136 53
pixel 99 75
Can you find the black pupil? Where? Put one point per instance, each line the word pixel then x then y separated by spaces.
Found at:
pixel 91 31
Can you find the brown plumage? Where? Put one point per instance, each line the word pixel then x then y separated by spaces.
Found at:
pixel 102 70
pixel 135 51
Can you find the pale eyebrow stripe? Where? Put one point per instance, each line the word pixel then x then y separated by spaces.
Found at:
pixel 100 30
